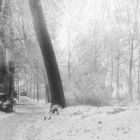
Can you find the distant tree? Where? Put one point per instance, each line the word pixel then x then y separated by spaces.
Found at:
pixel 6 47
pixel 133 29
pixel 54 79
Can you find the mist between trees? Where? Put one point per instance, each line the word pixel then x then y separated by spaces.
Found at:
pixel 96 44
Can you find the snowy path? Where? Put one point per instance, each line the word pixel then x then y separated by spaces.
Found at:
pixel 24 117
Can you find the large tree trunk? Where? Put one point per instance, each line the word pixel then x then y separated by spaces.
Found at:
pixel 54 79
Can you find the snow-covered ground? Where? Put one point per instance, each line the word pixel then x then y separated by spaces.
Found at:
pixel 27 112
pixel 73 123
pixel 91 123
pixel 4 115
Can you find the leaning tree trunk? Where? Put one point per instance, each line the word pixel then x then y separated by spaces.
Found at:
pixel 54 79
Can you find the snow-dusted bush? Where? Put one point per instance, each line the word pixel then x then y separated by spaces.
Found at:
pixel 89 91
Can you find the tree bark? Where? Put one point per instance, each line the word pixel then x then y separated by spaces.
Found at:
pixel 54 79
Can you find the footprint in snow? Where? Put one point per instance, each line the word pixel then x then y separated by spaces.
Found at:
pixel 100 122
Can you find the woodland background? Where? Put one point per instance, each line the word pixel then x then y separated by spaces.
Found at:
pixel 96 43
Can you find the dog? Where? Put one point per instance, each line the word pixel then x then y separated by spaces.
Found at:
pixel 54 109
